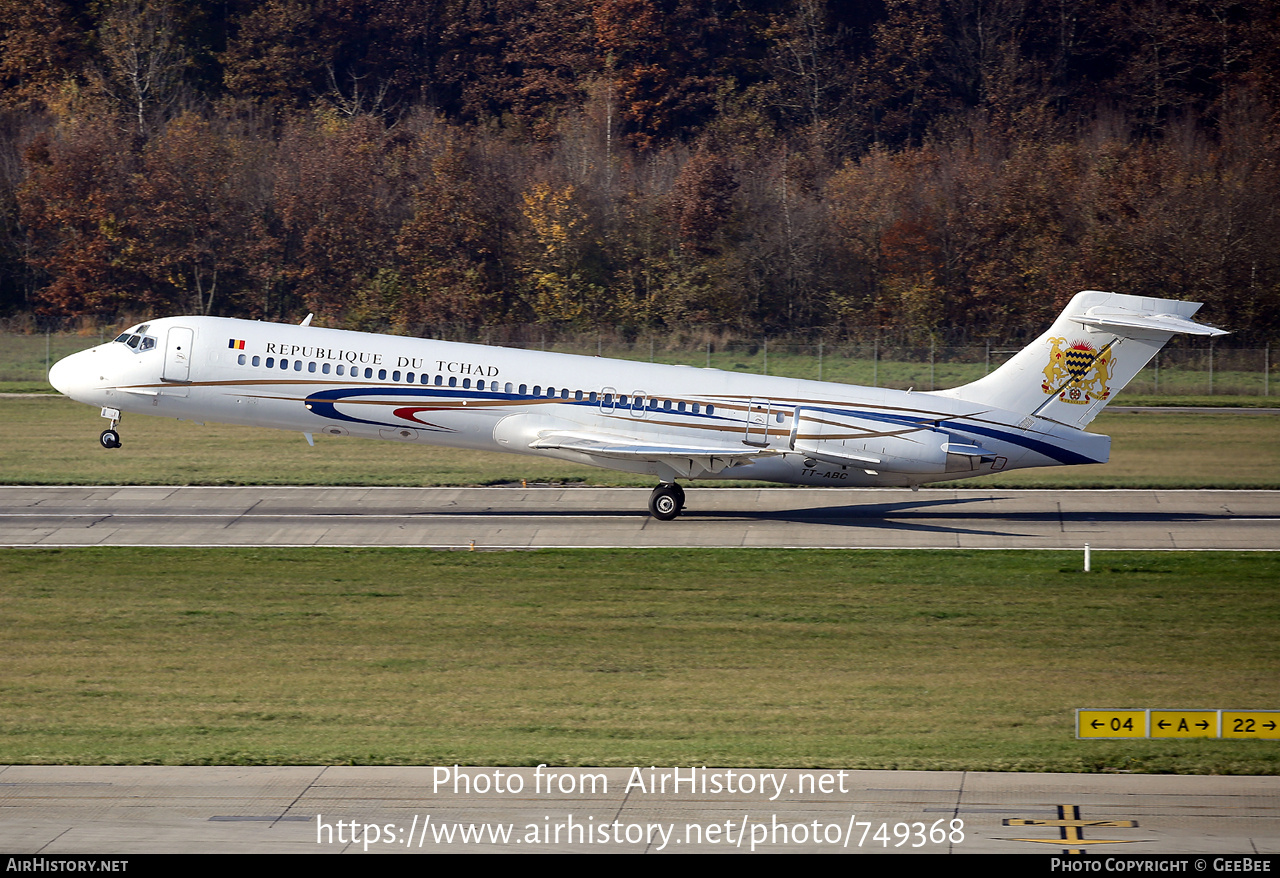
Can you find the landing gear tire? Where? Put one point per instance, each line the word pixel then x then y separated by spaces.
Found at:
pixel 109 439
pixel 666 501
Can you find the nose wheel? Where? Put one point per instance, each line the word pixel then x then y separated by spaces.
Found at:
pixel 110 438
pixel 666 501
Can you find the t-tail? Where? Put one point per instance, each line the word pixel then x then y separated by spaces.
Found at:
pixel 1095 347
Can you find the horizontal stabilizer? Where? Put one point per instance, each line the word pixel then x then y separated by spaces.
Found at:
pixel 1126 319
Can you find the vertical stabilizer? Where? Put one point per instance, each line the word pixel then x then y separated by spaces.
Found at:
pixel 1094 348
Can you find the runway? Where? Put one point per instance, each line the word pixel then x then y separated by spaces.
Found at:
pixel 53 811
pixel 56 811
pixel 549 517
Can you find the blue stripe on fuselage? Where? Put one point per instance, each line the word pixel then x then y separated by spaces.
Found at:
pixel 935 424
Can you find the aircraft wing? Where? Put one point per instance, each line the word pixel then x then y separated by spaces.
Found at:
pixel 687 460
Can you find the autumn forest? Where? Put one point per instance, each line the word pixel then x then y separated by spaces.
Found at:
pixel 930 168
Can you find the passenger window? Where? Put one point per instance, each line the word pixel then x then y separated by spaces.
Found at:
pixel 382 374
pixel 408 378
pixel 439 380
pixel 271 362
pixel 537 390
pixel 453 382
pixel 324 369
pixel 368 373
pixel 311 367
pixel 395 376
pixel 680 407
pixel 509 388
pixel 257 361
pixel 524 389
pixel 284 364
pixel 341 369
pixel 577 394
pixel 711 410
pixel 240 359
pixel 466 383
pixel 297 365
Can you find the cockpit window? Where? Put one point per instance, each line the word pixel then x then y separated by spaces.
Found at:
pixel 137 338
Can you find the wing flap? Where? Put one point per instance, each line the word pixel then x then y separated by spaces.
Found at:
pixel 688 460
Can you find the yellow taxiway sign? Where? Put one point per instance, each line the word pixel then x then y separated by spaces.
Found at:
pixel 1111 723
pixel 1155 723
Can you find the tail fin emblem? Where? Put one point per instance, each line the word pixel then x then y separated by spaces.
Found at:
pixel 1078 374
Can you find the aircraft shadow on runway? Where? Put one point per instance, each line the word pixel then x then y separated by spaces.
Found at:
pixel 928 515
pixel 918 515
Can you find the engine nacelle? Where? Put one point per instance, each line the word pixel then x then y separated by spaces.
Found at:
pixel 888 444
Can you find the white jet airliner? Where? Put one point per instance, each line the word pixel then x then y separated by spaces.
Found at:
pixel 670 422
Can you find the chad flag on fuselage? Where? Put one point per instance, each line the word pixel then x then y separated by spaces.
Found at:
pixel 236 344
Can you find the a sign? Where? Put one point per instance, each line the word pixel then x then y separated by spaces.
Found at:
pixel 1153 723
pixel 1184 724
pixel 1111 723
pixel 1251 724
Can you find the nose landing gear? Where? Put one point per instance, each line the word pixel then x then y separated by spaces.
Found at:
pixel 110 437
pixel 666 501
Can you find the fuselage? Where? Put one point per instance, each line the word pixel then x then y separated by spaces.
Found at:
pixel 401 389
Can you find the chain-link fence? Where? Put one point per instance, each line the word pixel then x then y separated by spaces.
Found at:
pixel 1184 368
pixel 1180 369
pixel 25 358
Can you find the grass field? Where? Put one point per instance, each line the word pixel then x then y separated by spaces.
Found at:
pixel 54 441
pixel 744 658
pixel 718 657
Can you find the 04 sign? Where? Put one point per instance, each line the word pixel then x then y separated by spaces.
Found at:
pixel 1111 723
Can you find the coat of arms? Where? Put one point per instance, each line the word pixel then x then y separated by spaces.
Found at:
pixel 1077 374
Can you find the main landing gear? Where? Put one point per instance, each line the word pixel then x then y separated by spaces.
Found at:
pixel 666 501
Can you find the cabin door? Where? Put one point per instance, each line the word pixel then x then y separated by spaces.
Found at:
pixel 177 355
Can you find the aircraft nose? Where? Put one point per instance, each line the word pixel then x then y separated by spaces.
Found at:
pixel 67 374
pixel 60 376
